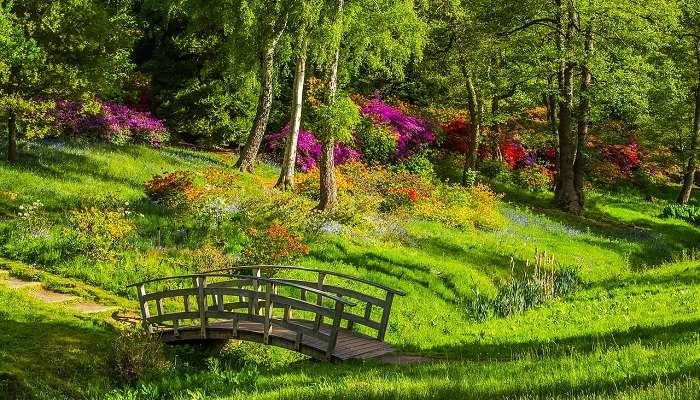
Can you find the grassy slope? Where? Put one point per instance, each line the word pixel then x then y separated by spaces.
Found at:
pixel 630 328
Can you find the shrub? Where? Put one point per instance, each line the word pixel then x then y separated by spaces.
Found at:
pixel 397 198
pixel 535 178
pixel 135 353
pixel 685 212
pixel 114 122
pixel 174 190
pixel 494 169
pixel 419 164
pixel 99 232
pixel 377 141
pixel 459 207
pixel 274 245
pixel 308 149
pixel 413 133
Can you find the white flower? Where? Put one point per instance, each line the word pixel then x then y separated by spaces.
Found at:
pixel 21 207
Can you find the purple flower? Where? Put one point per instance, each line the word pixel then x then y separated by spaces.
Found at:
pixel 413 133
pixel 113 119
pixel 308 149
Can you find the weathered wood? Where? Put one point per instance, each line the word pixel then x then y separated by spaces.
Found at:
pixel 332 341
pixel 145 313
pixel 243 319
pixel 202 304
pixel 385 316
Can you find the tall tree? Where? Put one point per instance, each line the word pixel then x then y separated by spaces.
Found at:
pixel 689 41
pixel 59 49
pixel 275 15
pixel 306 17
pixel 370 37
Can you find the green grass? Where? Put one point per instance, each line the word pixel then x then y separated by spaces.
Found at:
pixel 631 332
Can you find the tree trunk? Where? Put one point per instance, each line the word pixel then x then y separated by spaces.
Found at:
pixel 12 138
pixel 692 166
pixel 583 119
pixel 328 198
pixel 286 179
pixel 250 150
pixel 475 121
pixel 495 105
pixel 565 194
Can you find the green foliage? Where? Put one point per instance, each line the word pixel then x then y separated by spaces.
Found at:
pixel 685 212
pixel 496 170
pixel 536 178
pixel 377 142
pixel 337 119
pixel 135 355
pixel 420 164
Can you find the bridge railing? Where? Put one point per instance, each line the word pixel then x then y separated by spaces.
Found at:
pixel 319 281
pixel 201 299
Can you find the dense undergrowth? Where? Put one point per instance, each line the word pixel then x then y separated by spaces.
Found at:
pixel 624 327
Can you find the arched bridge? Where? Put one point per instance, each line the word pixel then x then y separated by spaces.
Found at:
pixel 323 314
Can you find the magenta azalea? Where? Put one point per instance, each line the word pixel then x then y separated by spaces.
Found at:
pixel 413 133
pixel 309 149
pixel 113 120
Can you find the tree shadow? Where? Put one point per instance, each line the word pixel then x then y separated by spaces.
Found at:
pixel 53 356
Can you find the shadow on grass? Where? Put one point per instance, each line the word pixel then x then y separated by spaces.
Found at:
pixel 679 332
pixel 658 241
pixel 52 357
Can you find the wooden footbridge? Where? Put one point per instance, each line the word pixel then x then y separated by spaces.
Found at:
pixel 322 314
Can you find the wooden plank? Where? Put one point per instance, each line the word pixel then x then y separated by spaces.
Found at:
pixel 170 293
pixel 302 305
pixel 359 320
pixel 296 328
pixel 143 304
pixel 334 331
pixel 341 291
pixel 173 316
pixel 202 304
pixel 385 316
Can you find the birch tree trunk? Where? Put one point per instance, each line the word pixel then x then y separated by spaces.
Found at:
pixel 251 148
pixel 286 179
pixel 328 198
pixel 583 119
pixel 692 166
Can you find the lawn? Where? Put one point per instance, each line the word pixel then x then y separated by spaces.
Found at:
pixel 630 331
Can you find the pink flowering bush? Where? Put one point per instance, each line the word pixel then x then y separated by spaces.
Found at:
pixel 309 149
pixel 114 122
pixel 412 133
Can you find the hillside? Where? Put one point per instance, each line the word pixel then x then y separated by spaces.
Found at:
pixel 628 331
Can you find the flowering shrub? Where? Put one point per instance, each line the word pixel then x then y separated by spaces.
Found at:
pixel 174 190
pixel 458 207
pixel 114 122
pixel 32 220
pixel 413 133
pixel 399 197
pixel 308 149
pixel 516 155
pixel 274 245
pixel 535 178
pixel 457 139
pixel 377 141
pixel 626 157
pixel 99 232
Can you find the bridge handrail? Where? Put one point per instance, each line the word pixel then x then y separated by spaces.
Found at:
pixel 259 279
pixel 320 271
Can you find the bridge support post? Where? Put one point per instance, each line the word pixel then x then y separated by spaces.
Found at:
pixel 202 304
pixel 333 339
pixel 319 300
pixel 145 312
pixel 385 316
pixel 267 324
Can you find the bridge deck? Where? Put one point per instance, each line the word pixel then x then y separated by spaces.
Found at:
pixel 350 345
